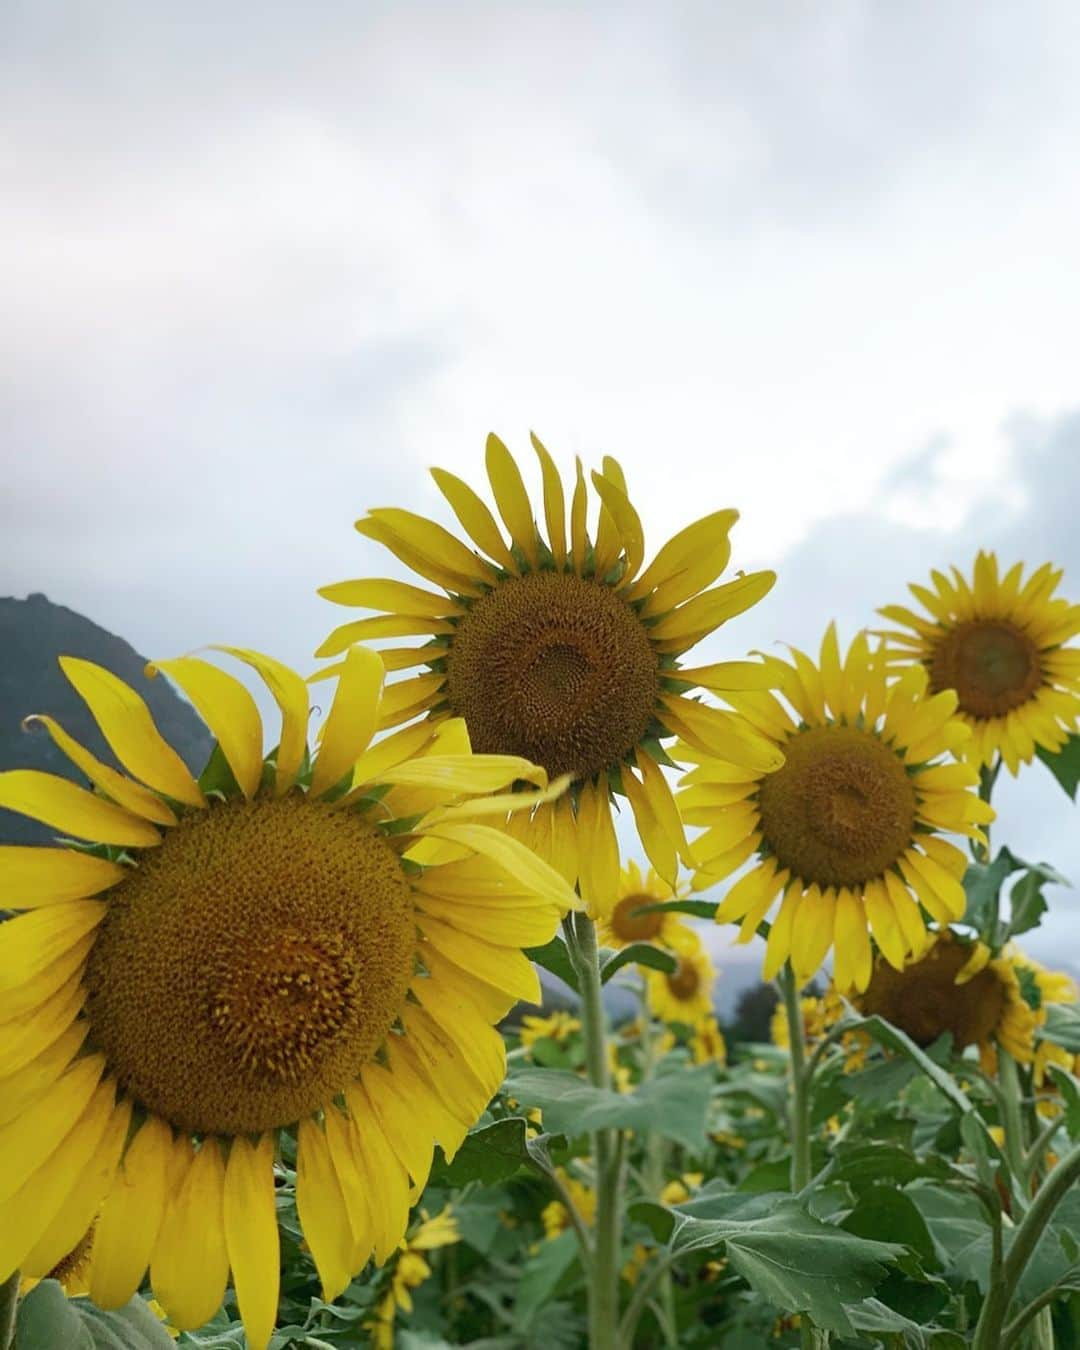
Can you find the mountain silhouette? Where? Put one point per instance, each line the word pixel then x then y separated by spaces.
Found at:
pixel 33 634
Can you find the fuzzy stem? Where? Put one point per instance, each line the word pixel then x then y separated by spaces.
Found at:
pixel 606 1150
pixel 810 1336
pixel 988 1333
pixel 1012 1121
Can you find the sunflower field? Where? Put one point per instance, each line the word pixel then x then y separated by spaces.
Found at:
pixel 314 1049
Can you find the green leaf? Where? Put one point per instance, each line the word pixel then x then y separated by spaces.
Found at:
pixel 697 909
pixel 49 1320
pixel 884 1209
pixel 870 1163
pixel 641 953
pixel 1064 765
pixel 1027 904
pixel 541 1274
pixel 673 1103
pixel 555 958
pixel 1069 1087
pixel 489 1155
pixel 982 885
pixel 788 1257
pixel 959 1229
pixel 886 1034
pixel 1062 1026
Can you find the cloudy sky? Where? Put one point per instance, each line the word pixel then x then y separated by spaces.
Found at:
pixel 264 264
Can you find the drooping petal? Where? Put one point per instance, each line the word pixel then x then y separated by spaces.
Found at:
pixel 129 729
pixel 320 1206
pixel 31 1139
pixel 124 791
pixel 130 1217
pixel 190 1265
pixel 251 1235
pixel 82 1203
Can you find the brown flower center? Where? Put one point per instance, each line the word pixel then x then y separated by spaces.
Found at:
pixel 925 1001
pixel 630 927
pixel 841 809
pixel 684 981
pixel 250 965
pixel 554 668
pixel 993 666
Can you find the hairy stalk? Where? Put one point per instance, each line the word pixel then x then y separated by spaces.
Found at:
pixel 988 1333
pixel 606 1147
pixel 811 1337
pixel 1012 1121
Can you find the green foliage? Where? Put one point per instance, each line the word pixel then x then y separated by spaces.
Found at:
pixel 785 1254
pixel 49 1320
pixel 1064 765
pixel 637 953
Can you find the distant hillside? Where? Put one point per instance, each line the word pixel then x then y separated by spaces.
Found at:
pixel 33 633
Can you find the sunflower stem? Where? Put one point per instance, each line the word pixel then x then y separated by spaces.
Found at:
pixel 810 1336
pixel 1012 1122
pixel 603 1282
pixel 9 1302
pixel 988 1332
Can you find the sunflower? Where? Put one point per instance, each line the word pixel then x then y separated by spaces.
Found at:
pixel 707 1044
pixel 314 946
pixel 685 993
pixel 847 830
pixel 959 987
pixel 998 642
pixel 560 1026
pixel 565 651
pixel 623 925
pixel 819 1016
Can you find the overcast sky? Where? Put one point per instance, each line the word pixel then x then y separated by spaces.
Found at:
pixel 263 264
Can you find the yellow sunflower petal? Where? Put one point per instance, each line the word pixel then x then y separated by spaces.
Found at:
pixel 432 541
pixel 290 694
pixel 421 561
pixel 697 618
pixel 747 892
pixel 32 1139
pixel 389 752
pixel 71 809
pixel 467 773
pixel 716 732
pixel 444 1063
pixel 20 1089
pixel 514 859
pixel 82 1202
pixel 658 847
pixel 32 876
pixel 731 676
pixel 475 518
pixel 479 1045
pixel 554 503
pixel 511 498
pixel 130 1217
pixel 401 1122
pixel 190 1265
pixel 885 925
pixel 320 1206
pixel 38 989
pixel 29 1208
pixel 393 597
pixel 853 940
pixel 26 1037
pixel 812 932
pixel 908 914
pixel 778 945
pixel 579 539
pixel 387 1182
pixel 598 848
pixel 688 562
pixel 251 1236
pixel 31 942
pixel 129 729
pixel 227 709
pixel 504 967
pixel 351 720
pixel 124 791
pixel 626 521
pixel 414 1084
